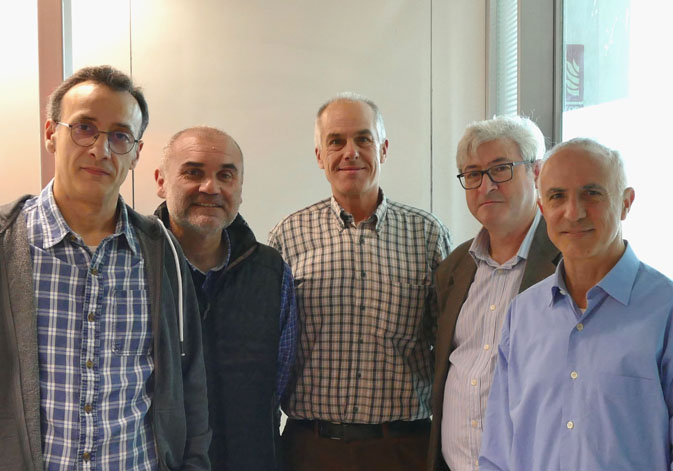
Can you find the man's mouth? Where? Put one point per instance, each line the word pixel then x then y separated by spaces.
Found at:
pixel 95 171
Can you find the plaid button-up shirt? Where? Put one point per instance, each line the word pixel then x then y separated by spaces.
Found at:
pixel 367 310
pixel 94 343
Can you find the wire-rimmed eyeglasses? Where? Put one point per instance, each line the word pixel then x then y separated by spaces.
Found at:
pixel 500 173
pixel 85 134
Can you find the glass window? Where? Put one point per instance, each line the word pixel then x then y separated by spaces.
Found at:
pixel 616 89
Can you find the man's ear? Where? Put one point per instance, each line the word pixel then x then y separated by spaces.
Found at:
pixel 49 135
pixel 321 164
pixel 539 205
pixel 627 200
pixel 384 151
pixel 161 181
pixel 134 162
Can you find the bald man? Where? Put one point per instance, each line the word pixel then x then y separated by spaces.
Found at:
pixel 584 379
pixel 245 291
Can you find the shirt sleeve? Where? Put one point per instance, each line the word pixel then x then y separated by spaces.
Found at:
pixel 497 438
pixel 287 344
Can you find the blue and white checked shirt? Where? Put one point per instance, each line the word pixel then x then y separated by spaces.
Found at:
pixel 94 344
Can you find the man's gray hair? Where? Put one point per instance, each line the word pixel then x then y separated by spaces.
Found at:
pixel 199 130
pixel 350 96
pixel 521 130
pixel 596 148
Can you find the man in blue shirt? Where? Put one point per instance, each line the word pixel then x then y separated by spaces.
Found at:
pixel 245 292
pixel 100 342
pixel 584 379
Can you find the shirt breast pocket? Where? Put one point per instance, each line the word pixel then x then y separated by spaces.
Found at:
pixel 131 323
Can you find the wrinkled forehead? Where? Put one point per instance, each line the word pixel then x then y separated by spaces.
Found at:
pixel 347 115
pixel 98 102
pixel 575 167
pixel 208 149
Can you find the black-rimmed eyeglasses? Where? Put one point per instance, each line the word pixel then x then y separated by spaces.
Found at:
pixel 85 134
pixel 500 173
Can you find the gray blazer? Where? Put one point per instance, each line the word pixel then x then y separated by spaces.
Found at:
pixel 453 279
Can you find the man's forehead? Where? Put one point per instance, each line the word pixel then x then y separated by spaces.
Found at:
pixel 345 114
pixel 98 101
pixel 576 167
pixel 205 148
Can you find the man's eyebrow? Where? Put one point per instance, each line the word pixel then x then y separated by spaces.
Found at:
pixel 126 126
pixel 189 163
pixel 594 186
pixel 555 189
pixel 496 161
pixel 229 166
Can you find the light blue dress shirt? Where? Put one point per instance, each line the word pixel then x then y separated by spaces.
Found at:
pixel 585 391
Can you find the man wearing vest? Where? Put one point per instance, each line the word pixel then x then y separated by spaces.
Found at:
pixel 245 292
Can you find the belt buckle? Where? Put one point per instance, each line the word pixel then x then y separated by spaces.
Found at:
pixel 333 431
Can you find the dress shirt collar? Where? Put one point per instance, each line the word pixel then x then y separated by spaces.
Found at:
pixel 481 245
pixel 56 228
pixel 617 284
pixel 345 218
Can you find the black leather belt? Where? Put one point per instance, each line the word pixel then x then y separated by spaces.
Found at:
pixel 350 432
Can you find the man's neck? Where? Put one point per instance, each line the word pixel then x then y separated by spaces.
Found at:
pixel 204 251
pixel 504 246
pixel 93 221
pixel 582 274
pixel 360 206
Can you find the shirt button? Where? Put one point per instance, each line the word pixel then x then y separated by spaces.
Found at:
pixel 573 375
pixel 363 273
pixel 72 238
pixel 355 409
pixel 474 424
pixel 362 240
pixel 473 382
pixel 487 346
pixel 361 341
pixel 570 425
pixel 86 456
pixel 492 308
pixel 580 327
pixel 88 408
pixel 89 364
pixel 91 317
pixel 94 271
pixel 358 375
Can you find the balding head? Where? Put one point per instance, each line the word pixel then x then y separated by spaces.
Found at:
pixel 201 179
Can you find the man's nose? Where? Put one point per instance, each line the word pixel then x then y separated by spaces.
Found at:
pixel 486 184
pixel 100 148
pixel 351 150
pixel 574 209
pixel 209 185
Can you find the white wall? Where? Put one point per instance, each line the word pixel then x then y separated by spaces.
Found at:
pixel 260 69
pixel 19 102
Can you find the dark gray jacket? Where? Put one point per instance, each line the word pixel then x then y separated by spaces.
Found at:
pixel 179 405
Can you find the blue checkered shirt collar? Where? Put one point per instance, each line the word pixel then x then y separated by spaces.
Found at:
pixel 345 218
pixel 56 228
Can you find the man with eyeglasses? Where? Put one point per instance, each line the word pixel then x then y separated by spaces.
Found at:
pixel 100 338
pixel 498 161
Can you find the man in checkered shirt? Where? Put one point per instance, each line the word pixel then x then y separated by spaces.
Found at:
pixel 363 270
pixel 100 339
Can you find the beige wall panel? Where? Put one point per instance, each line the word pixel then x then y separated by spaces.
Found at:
pixel 19 103
pixel 260 69
pixel 101 34
pixel 459 97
